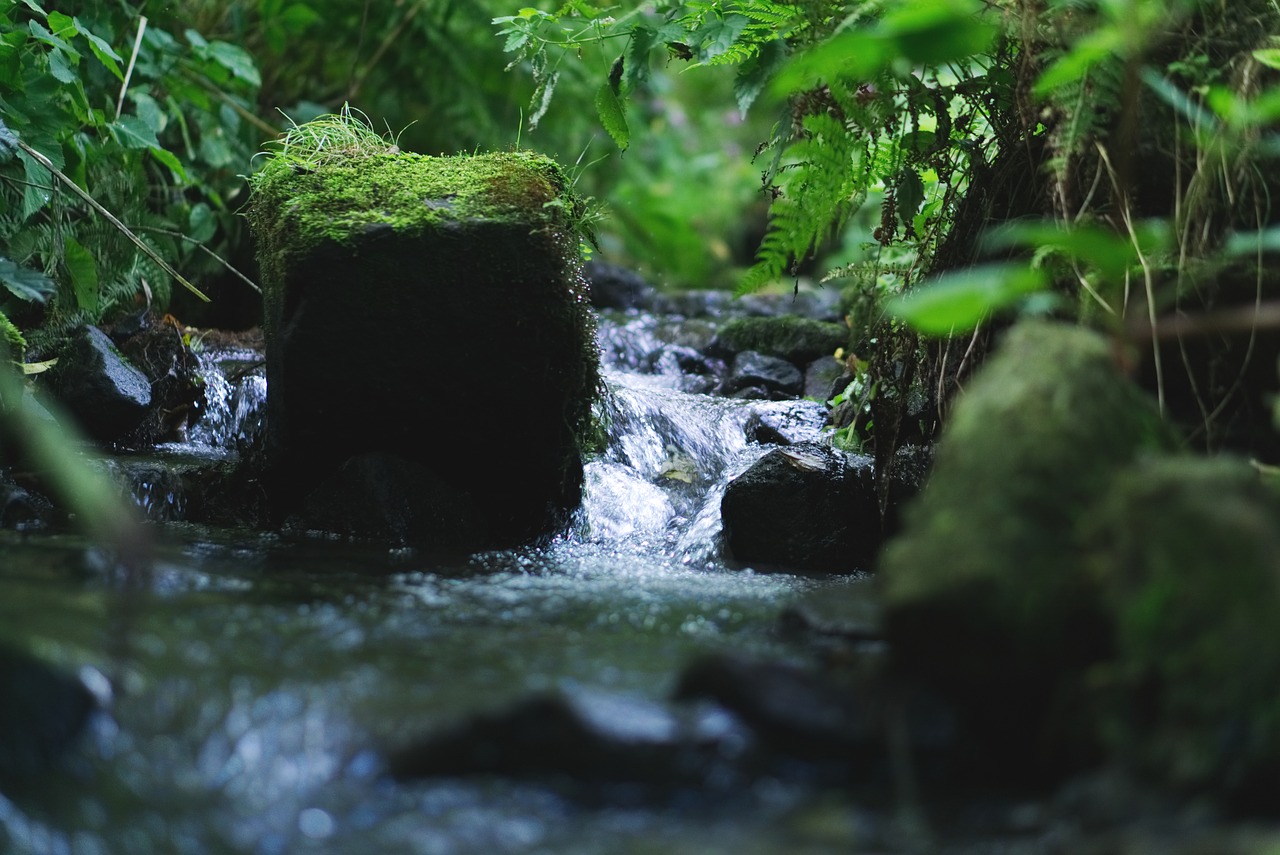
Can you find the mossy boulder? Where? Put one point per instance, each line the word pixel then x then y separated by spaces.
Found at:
pixel 1187 555
pixel 985 589
pixel 432 309
pixel 797 340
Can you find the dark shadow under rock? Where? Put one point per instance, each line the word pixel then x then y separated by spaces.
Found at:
pixel 808 507
pixel 616 287
pixel 384 497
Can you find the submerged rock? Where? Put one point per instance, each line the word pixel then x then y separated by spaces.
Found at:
pixel 581 739
pixel 985 589
pixel 807 507
pixel 107 396
pixel 42 711
pixel 432 309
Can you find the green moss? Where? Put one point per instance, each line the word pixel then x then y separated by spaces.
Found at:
pixel 799 340
pixel 985 588
pixel 1187 554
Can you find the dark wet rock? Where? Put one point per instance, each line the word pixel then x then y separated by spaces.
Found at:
pixel 161 352
pixel 793 710
pixel 583 739
pixel 107 396
pixel 797 340
pixel 752 370
pixel 42 712
pixel 616 287
pixel 764 429
pixel 387 498
pixel 21 509
pixel 824 378
pixel 808 507
pixel 500 315
pixel 987 594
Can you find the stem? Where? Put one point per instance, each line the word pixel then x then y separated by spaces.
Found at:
pixel 133 58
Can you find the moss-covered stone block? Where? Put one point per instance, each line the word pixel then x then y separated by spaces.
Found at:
pixel 1187 555
pixel 430 308
pixel 797 340
pixel 985 588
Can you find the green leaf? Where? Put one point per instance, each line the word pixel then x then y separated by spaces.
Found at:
pixel 909 191
pixel 236 60
pixel 133 132
pixel 42 34
pixel 1102 249
pixel 1270 57
pixel 83 271
pixel 202 224
pixel 612 115
pixel 958 302
pixel 60 67
pixel 1086 53
pixel 718 34
pixel 25 283
pixel 170 160
pixel 36 192
pixel 754 74
pixel 102 51
pixel 62 25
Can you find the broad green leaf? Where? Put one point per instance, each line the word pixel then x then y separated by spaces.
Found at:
pixel 63 26
pixel 909 190
pixel 83 272
pixel 149 111
pixel 102 51
pixel 718 34
pixel 1086 53
pixel 636 70
pixel 754 74
pixel 612 116
pixel 25 283
pixel 1270 57
pixel 298 16
pixel 36 192
pixel 170 160
pixel 236 60
pixel 60 67
pixel 1251 243
pixel 43 34
pixel 1102 249
pixel 957 302
pixel 133 132
pixel 201 222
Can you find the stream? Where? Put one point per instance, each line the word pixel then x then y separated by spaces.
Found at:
pixel 254 684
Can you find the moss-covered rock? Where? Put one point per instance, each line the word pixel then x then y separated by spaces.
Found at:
pixel 986 592
pixel 430 308
pixel 1187 553
pixel 797 340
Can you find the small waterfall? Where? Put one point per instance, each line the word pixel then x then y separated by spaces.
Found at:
pixel 671 453
pixel 235 388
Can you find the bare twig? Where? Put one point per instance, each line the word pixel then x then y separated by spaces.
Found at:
pixel 133 58
pixel 204 249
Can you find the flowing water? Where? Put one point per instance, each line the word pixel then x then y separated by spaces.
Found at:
pixel 253 685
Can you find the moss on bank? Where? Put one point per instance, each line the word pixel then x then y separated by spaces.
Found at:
pixel 795 339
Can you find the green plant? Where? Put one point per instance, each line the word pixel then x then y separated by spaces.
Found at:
pixel 121 167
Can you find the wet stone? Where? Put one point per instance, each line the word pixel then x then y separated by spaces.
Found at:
pixel 808 507
pixel 107 396
pixel 756 370
pixel 42 711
